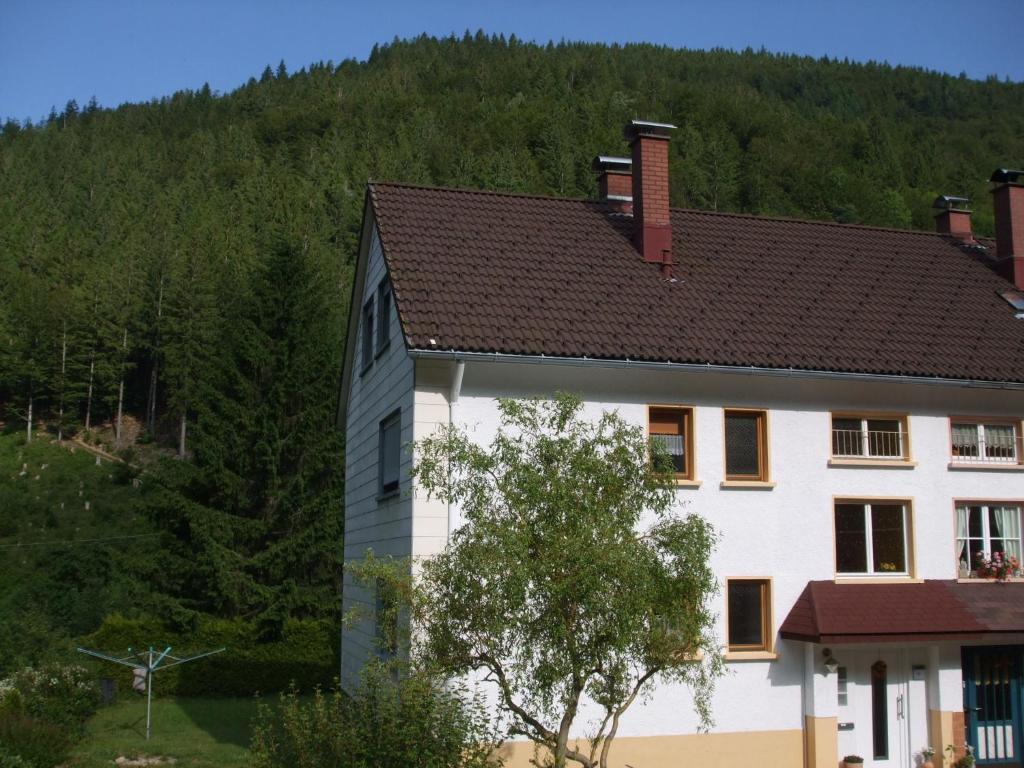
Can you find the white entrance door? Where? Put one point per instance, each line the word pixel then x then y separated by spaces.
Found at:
pixel 877 714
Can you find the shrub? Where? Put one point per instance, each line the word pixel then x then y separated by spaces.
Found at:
pixel 27 742
pixel 57 694
pixel 387 724
pixel 304 655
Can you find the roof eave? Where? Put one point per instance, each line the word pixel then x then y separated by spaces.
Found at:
pixel 504 357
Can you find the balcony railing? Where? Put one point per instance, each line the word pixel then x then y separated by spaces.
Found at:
pixel 872 444
pixel 991 448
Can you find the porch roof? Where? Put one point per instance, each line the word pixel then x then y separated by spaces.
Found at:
pixel 836 613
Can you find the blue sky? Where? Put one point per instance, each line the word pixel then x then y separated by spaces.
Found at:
pixel 134 50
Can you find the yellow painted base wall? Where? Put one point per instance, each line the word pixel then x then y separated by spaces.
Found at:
pixel 940 732
pixel 765 749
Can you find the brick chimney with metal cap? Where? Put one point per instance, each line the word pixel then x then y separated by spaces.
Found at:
pixel 1008 199
pixel 652 227
pixel 953 217
pixel 615 182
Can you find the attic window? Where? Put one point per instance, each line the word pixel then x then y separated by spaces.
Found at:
pixel 1016 300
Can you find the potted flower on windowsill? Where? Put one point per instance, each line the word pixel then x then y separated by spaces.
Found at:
pixel 853 761
pixel 927 753
pixel 999 567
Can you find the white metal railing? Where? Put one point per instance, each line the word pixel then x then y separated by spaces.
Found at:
pixel 872 444
pixel 987 447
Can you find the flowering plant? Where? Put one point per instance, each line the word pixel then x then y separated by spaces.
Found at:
pixel 999 567
pixel 60 694
pixel 927 753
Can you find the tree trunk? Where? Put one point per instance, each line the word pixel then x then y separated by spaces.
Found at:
pixel 63 376
pixel 151 404
pixel 181 437
pixel 120 393
pixel 28 437
pixel 154 373
pixel 88 397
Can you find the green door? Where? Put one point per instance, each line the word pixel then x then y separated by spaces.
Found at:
pixel 992 703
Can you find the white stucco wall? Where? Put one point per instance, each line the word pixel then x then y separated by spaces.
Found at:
pixel 385 525
pixel 785 533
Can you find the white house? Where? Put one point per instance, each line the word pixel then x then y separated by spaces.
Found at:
pixel 844 403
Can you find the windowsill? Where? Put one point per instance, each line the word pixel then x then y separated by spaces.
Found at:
pixel 874 578
pixel 976 580
pixel 386 495
pixel 759 485
pixel 985 466
pixel 872 463
pixel 382 350
pixel 750 656
pixel 684 483
pixel 365 368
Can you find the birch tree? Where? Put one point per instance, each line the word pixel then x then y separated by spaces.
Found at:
pixel 574 577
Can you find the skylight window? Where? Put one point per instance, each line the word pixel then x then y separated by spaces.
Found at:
pixel 1016 300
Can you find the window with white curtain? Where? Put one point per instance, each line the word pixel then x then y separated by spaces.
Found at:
pixel 985 442
pixel 986 528
pixel 671 427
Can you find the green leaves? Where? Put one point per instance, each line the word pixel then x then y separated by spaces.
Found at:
pixel 575 573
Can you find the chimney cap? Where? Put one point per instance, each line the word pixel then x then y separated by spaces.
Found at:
pixel 1006 176
pixel 635 128
pixel 609 164
pixel 951 203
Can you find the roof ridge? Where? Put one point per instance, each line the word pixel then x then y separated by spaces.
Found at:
pixel 822 222
pixel 490 192
pixel 728 214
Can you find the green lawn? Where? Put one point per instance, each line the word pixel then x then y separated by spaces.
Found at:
pixel 198 732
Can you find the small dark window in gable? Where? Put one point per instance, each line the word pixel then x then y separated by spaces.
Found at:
pixel 383 315
pixel 389 453
pixel 368 318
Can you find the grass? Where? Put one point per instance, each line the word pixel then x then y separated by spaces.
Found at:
pixel 197 732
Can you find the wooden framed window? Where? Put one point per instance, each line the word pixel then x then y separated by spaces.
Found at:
pixel 986 441
pixel 872 538
pixel 863 436
pixel 671 427
pixel 749 619
pixel 367 345
pixel 389 456
pixel 746 444
pixel 383 315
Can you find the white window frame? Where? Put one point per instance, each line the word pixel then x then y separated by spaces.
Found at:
pixel 869 545
pixel 986 529
pixel 865 437
pixel 979 425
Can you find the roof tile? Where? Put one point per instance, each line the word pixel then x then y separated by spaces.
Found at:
pixel 489 272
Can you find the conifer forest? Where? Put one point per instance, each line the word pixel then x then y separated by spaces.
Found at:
pixel 175 276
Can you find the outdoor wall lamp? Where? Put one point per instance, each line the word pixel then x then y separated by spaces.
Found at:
pixel 831 664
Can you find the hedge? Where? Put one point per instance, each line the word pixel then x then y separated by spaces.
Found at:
pixel 305 654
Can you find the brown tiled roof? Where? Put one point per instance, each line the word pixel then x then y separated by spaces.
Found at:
pixel 488 272
pixel 827 612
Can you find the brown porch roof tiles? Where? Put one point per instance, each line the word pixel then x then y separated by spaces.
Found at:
pixel 830 612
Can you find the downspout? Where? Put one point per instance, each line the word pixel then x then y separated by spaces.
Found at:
pixel 453 397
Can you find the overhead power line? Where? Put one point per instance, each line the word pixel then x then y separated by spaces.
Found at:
pixel 73 542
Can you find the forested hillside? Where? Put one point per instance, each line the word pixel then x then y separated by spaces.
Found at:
pixel 175 275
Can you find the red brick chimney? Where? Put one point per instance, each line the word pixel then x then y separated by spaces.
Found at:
pixel 953 217
pixel 1008 199
pixel 615 182
pixel 652 228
